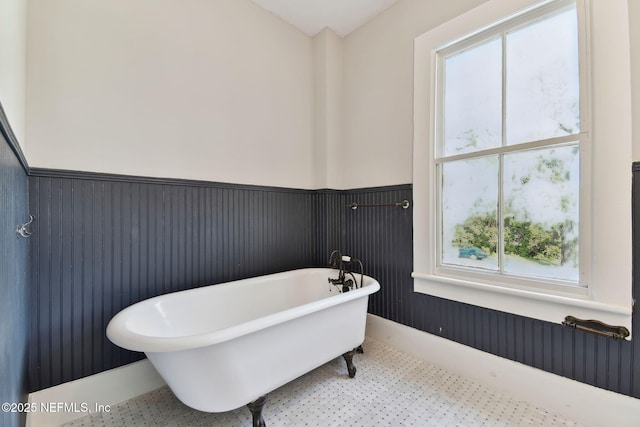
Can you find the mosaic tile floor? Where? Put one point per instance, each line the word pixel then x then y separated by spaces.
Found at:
pixel 390 389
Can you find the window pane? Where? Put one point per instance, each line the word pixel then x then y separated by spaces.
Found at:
pixel 541 212
pixel 473 102
pixel 542 89
pixel 469 213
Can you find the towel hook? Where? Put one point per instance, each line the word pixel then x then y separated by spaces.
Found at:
pixel 23 230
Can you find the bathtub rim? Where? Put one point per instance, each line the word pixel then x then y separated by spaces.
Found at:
pixel 119 334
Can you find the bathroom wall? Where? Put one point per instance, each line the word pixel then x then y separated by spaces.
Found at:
pixel 197 89
pixel 105 241
pixel 219 92
pixel 634 16
pixel 383 238
pixel 378 97
pixel 13 39
pixel 328 160
pixel 378 83
pixel 14 293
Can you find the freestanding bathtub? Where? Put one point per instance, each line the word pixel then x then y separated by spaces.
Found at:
pixel 223 346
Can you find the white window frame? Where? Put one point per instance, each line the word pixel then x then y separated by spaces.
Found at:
pixel 605 195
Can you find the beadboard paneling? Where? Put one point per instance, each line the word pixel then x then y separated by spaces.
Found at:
pixel 382 237
pixel 14 293
pixel 105 243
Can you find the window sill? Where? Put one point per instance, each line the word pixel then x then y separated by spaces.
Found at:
pixel 529 303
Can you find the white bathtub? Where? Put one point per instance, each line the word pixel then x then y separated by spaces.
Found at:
pixel 223 346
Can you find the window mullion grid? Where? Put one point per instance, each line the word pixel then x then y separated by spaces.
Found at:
pixel 501 277
pixel 500 211
pixel 500 218
pixel 439 138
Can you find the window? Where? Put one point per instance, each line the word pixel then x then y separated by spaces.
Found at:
pixel 508 144
pixel 514 156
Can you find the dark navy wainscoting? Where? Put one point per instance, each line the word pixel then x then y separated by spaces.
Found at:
pixel 382 236
pixel 105 242
pixel 14 292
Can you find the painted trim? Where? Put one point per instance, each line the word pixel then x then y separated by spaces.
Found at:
pixel 98 176
pixel 397 187
pixel 10 137
pixel 99 391
pixel 575 400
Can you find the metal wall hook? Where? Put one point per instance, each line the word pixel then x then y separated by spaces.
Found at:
pixel 23 230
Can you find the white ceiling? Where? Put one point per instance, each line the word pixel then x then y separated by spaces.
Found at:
pixel 312 16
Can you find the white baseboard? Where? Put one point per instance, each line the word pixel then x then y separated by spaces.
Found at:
pixel 75 399
pixel 575 400
pixel 580 402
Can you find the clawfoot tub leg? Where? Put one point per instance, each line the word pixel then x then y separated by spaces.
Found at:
pixel 348 357
pixel 256 411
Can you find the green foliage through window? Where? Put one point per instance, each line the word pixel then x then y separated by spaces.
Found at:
pixel 548 245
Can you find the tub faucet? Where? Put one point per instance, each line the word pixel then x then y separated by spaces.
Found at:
pixel 337 260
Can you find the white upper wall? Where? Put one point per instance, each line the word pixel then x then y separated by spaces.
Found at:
pixel 198 89
pixel 225 91
pixel 378 82
pixel 634 30
pixel 378 132
pixel 328 115
pixel 13 33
